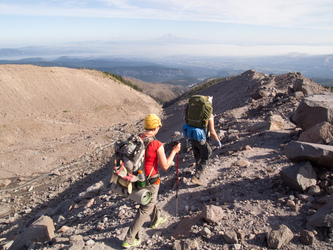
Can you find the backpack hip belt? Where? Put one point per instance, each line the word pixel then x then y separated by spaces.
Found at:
pixel 153 179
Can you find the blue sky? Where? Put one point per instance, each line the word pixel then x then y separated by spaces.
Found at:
pixel 231 27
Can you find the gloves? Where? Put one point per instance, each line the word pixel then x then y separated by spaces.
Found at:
pixel 220 146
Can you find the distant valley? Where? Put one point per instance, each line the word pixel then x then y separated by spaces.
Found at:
pixel 176 70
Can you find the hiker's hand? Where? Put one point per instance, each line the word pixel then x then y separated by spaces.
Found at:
pixel 176 148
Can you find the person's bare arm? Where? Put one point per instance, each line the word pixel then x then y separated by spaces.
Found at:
pixel 212 129
pixel 166 162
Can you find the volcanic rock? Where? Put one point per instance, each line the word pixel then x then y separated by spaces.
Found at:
pixel 313 110
pixel 318 154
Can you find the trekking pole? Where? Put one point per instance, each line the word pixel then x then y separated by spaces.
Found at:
pixel 177 187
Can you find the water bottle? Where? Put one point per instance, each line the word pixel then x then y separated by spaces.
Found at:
pixel 141 180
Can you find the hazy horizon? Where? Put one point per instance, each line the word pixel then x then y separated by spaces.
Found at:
pixel 155 49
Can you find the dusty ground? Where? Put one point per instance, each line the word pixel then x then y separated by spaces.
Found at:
pixel 252 196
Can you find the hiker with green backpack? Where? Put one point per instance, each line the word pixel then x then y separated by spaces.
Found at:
pixel 154 156
pixel 198 129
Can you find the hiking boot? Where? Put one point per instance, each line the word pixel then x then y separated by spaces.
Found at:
pixel 196 180
pixel 160 221
pixel 135 243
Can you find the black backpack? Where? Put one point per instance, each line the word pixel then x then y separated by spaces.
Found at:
pixel 128 160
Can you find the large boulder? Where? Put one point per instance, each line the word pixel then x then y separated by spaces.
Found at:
pixel 279 237
pixel 298 95
pixel 273 123
pixel 212 213
pixel 323 217
pixel 39 231
pixel 230 236
pixel 300 176
pixel 318 154
pixel 307 237
pixel 321 133
pixel 308 87
pixel 313 110
pixel 259 93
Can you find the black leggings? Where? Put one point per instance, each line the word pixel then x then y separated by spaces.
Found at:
pixel 201 154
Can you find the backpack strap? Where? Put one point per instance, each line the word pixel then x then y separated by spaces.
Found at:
pixel 147 141
pixel 151 171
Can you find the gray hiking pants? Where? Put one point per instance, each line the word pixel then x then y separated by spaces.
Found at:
pixel 144 213
pixel 201 154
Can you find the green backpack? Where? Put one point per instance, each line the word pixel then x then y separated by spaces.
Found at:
pixel 198 111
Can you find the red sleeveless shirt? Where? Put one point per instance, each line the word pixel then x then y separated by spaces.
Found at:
pixel 151 158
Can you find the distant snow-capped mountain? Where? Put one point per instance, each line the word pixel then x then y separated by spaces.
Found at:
pixel 173 39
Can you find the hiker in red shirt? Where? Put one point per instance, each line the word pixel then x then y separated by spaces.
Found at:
pixel 154 156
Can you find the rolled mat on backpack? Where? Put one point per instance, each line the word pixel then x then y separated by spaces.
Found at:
pixel 142 196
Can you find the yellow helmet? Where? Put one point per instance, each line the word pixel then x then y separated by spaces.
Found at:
pixel 152 121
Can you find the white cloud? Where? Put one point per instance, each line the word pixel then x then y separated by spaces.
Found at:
pixel 259 12
pixel 306 13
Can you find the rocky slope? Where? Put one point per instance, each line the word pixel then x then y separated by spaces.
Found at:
pixel 49 115
pixel 161 92
pixel 242 183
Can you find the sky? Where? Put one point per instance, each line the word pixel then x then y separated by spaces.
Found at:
pixel 223 27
